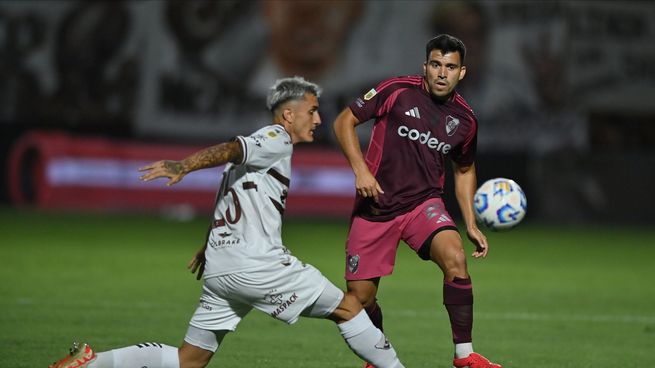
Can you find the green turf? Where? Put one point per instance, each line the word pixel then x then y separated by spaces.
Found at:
pixel 545 297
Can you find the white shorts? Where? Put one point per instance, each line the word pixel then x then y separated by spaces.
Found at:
pixel 283 292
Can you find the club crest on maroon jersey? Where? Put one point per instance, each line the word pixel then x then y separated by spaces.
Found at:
pixel 451 125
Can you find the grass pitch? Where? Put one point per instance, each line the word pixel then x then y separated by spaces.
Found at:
pixel 545 297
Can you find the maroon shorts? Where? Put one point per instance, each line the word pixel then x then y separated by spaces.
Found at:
pixel 371 246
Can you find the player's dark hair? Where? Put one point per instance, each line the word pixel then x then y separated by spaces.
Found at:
pixel 287 89
pixel 446 43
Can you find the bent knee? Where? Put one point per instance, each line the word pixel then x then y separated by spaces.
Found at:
pixel 364 293
pixel 457 260
pixel 351 304
pixel 457 268
pixel 451 273
pixel 193 357
pixel 451 259
pixel 347 309
pixel 193 363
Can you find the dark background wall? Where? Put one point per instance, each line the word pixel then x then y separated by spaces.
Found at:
pixel 564 90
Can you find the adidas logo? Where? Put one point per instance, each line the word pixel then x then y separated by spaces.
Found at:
pixel 413 113
pixel 442 218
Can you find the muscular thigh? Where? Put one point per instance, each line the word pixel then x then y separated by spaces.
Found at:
pixel 283 291
pixel 217 310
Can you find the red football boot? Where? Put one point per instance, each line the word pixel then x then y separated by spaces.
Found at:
pixel 79 356
pixel 474 360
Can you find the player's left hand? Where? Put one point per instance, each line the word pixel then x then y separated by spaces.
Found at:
pixel 197 263
pixel 480 241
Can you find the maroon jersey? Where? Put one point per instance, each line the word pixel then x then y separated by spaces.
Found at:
pixel 411 137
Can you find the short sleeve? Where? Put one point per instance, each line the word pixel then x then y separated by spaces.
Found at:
pixel 372 104
pixel 265 147
pixel 465 153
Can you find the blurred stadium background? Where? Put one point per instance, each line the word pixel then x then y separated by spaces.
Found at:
pixel 90 90
pixel 564 91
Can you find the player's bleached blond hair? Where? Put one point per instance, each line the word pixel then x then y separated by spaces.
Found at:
pixel 287 89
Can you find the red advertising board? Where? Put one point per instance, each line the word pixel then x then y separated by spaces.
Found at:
pixel 55 170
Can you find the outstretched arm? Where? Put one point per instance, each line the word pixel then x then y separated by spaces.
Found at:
pixel 344 128
pixel 465 185
pixel 209 157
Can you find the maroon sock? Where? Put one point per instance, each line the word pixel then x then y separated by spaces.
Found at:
pixel 375 314
pixel 458 299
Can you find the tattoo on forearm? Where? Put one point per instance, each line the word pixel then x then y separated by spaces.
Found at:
pixel 213 156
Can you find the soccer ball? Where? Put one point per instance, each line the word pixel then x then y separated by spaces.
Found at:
pixel 499 204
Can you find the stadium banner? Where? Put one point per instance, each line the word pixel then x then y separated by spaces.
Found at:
pixel 56 170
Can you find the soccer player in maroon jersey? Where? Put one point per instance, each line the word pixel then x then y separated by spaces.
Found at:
pixel 420 121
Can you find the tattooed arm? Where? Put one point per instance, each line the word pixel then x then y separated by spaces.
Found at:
pixel 208 157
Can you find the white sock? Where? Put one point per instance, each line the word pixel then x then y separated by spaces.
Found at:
pixel 149 354
pixel 463 350
pixel 369 343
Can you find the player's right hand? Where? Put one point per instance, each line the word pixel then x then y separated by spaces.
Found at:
pixel 163 169
pixel 367 186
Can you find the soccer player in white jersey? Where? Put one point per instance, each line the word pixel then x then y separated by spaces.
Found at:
pixel 244 263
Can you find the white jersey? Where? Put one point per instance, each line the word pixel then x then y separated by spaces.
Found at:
pixel 246 232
